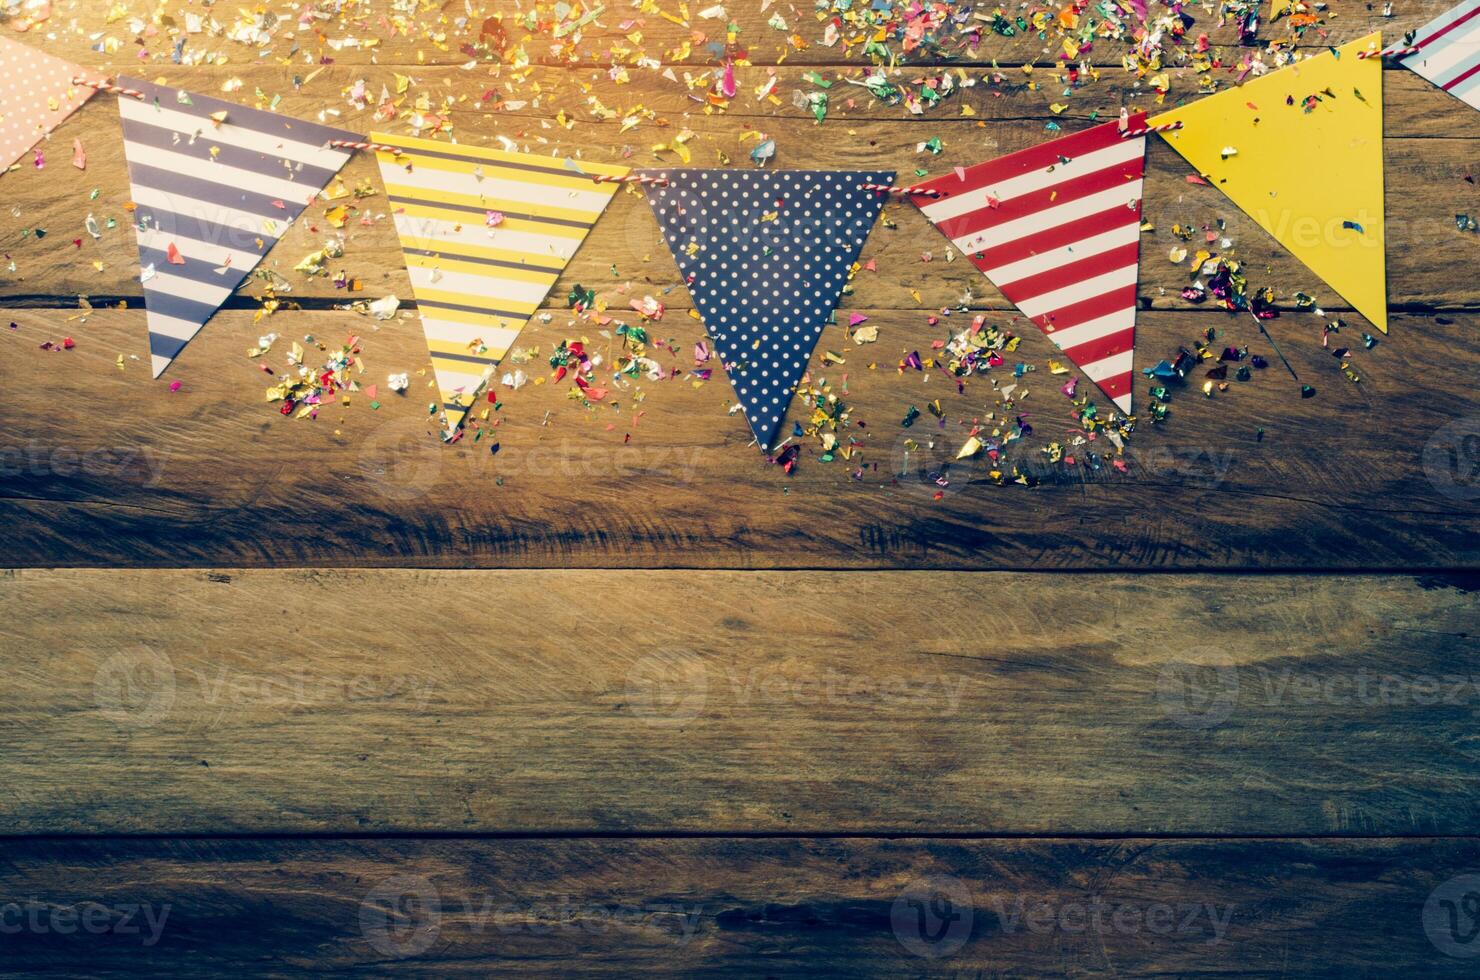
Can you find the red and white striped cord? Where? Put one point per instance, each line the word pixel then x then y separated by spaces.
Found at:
pixel 106 85
pixel 356 145
pixel 902 191
pixel 1388 53
pixel 643 179
pixel 1126 134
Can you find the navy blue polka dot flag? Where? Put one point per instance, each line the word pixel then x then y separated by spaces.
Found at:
pixel 765 255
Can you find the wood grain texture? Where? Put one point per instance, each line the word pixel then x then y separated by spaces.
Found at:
pixel 545 771
pixel 533 702
pixel 379 32
pixel 728 907
pixel 1323 489
pixel 1376 474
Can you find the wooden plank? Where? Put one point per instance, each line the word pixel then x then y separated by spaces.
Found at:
pixel 209 516
pixel 103 466
pixel 526 702
pixel 477 112
pixel 732 906
pixel 1425 184
pixel 437 33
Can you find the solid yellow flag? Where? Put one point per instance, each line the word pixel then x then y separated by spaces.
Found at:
pixel 1300 151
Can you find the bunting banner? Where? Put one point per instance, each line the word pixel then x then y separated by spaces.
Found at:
pixel 485 234
pixel 215 185
pixel 1057 228
pixel 1300 152
pixel 37 95
pixel 1448 52
pixel 765 255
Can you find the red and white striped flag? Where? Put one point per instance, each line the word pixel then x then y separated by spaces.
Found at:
pixel 1446 51
pixel 1057 228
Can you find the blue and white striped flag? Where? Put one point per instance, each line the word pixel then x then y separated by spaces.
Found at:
pixel 216 185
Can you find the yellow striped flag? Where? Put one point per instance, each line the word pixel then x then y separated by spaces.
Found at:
pixel 485 234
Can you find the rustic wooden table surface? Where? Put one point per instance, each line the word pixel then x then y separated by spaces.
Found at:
pixel 294 696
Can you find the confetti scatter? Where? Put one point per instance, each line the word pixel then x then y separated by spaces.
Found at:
pixel 477 285
pixel 981 409
pixel 1056 227
pixel 36 96
pixel 302 391
pixel 1279 151
pixel 765 254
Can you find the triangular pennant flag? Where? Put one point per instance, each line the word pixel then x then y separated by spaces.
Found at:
pixel 1449 52
pixel 1300 151
pixel 215 185
pixel 485 234
pixel 765 255
pixel 36 96
pixel 1057 228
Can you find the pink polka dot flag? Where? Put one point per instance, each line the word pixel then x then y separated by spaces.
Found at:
pixel 36 94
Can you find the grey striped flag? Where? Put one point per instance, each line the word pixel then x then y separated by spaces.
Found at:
pixel 216 185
